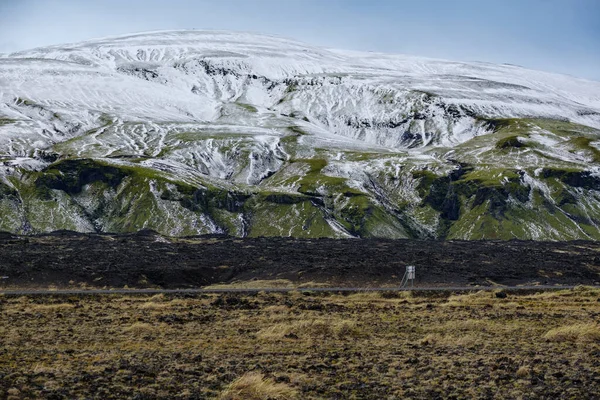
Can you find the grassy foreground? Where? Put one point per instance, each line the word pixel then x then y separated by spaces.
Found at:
pixel 304 346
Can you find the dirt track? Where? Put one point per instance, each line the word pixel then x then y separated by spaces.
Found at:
pixel 147 260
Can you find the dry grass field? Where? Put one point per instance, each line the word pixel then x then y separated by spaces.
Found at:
pixel 302 346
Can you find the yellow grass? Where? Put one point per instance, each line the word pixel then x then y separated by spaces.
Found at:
pixel 330 327
pixel 523 372
pixel 140 328
pixel 587 332
pixel 49 307
pixel 254 386
pixel 367 345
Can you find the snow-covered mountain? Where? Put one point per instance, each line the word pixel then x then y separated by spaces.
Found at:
pixel 192 132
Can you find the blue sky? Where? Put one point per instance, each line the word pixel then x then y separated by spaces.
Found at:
pixel 551 35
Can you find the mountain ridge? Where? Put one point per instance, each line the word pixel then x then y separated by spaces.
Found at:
pixel 200 132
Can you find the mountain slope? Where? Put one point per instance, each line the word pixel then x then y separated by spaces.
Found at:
pixel 218 132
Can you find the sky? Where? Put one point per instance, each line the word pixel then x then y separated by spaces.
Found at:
pixel 551 35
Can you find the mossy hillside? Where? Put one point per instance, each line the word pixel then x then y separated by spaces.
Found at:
pixel 153 200
pixel 400 191
pixel 316 165
pixel 456 195
pixel 496 204
pixel 11 216
pixel 438 193
pixel 75 145
pixel 71 194
pixel 129 198
pixel 291 218
pixel 351 212
pixel 582 145
pixel 205 198
pixel 495 187
pixel 173 209
pixel 8 192
pixel 524 126
pixel 506 125
pixel 426 219
pixel 446 199
pixel 134 208
pixel 231 223
pixel 356 211
pixel 364 217
pixel 511 142
pixel 371 220
pixel 572 177
pixel 574 136
pixel 11 210
pixel 45 210
pixel 563 128
pixel 586 214
pixel 441 192
pixel 137 207
pixel 290 142
pixel 542 220
pixel 504 134
pixel 71 176
pixel 316 183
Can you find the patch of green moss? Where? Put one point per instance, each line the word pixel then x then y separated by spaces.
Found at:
pixel 565 197
pixel 510 142
pixel 7 192
pixel 301 219
pixel 361 216
pixel 248 107
pixel 74 144
pixel 71 176
pixel 490 176
pixel 426 180
pixel 354 213
pixel 25 102
pixel 461 193
pixel 231 222
pixel 314 183
pixel 572 177
pixel 297 130
pixel 362 156
pixel 285 198
pixel 6 121
pixel 562 127
pixel 583 144
pixel 500 124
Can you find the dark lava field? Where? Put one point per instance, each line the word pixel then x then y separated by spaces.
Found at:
pixel 148 260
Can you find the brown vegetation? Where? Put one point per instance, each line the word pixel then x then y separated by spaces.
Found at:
pixel 254 386
pixel 301 345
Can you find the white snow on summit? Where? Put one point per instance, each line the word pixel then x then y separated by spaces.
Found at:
pixel 257 83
